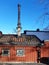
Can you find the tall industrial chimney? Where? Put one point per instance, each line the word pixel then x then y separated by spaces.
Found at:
pixel 19 23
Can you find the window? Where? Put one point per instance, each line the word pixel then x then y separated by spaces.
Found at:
pixel 20 52
pixel 5 52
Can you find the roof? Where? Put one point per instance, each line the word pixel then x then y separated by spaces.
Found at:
pixel 13 39
pixel 42 35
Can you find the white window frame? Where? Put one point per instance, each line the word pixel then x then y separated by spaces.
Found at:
pixel 5 54
pixel 18 53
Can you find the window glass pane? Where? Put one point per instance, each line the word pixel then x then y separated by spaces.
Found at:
pixel 20 52
pixel 5 52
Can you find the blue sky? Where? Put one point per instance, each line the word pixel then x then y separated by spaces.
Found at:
pixel 32 15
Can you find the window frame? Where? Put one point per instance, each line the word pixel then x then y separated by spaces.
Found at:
pixel 5 54
pixel 18 53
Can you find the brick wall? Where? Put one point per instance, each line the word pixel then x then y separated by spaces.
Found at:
pixel 45 50
pixel 30 54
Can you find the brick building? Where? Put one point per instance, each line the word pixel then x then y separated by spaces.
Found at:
pixel 29 46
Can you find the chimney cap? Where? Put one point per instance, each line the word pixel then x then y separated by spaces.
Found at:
pixel 38 29
pixel 0 33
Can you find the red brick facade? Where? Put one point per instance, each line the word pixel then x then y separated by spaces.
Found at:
pixel 30 54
